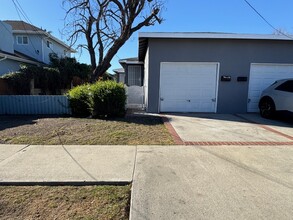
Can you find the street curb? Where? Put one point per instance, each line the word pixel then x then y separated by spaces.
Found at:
pixel 66 183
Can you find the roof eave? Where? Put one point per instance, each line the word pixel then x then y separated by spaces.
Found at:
pixel 47 35
pixel 18 59
pixel 194 35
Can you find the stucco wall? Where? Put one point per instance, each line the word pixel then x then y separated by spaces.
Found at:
pixel 234 56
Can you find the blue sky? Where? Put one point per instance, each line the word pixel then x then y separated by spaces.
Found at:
pixel 233 16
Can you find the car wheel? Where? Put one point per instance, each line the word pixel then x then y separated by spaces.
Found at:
pixel 267 108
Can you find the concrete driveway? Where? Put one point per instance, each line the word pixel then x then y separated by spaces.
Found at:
pixel 230 129
pixel 231 167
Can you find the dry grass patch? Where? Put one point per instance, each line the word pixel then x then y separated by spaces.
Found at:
pixel 64 202
pixel 133 130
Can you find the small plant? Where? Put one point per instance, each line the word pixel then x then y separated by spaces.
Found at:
pixel 80 99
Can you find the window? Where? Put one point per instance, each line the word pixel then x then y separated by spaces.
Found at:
pixel 286 86
pixel 134 76
pixel 49 44
pixel 22 40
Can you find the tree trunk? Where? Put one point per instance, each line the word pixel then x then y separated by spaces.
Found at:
pixel 99 71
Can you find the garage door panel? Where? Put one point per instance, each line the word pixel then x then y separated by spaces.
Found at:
pixel 188 87
pixel 262 76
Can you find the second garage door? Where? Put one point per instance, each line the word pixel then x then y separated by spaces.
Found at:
pixel 263 75
pixel 188 87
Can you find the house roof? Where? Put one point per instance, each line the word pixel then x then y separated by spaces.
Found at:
pixel 144 36
pixel 119 71
pixel 21 27
pixel 18 57
pixel 132 60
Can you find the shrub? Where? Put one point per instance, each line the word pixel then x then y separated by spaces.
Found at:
pixel 102 99
pixel 108 99
pixel 80 100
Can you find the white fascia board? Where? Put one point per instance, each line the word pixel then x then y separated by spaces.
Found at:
pixel 130 62
pixel 47 35
pixel 18 59
pixel 193 35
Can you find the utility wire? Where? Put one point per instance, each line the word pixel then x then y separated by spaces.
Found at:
pixel 20 9
pixel 265 20
pixel 18 13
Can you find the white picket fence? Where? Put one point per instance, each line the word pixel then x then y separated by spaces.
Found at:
pixel 34 105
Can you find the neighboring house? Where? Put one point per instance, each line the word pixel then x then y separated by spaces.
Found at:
pixel 208 72
pixel 21 42
pixel 9 59
pixel 119 75
pixel 133 69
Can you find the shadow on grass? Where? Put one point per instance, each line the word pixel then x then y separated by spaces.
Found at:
pixel 10 121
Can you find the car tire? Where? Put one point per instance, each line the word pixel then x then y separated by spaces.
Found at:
pixel 267 108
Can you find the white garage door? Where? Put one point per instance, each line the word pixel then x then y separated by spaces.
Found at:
pixel 188 87
pixel 263 75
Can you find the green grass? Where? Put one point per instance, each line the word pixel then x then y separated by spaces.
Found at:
pixel 64 202
pixel 134 130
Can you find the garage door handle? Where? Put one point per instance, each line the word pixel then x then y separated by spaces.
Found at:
pixel 214 100
pixel 188 100
pixel 162 99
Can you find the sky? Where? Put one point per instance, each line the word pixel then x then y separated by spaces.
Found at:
pixel 230 16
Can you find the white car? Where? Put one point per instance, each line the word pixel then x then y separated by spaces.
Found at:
pixel 277 97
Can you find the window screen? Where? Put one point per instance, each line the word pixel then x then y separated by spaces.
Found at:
pixel 134 75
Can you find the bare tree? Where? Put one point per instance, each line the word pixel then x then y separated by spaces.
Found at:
pixel 107 25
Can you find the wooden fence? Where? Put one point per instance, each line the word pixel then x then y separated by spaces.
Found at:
pixel 34 105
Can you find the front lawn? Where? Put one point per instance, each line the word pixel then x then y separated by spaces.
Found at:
pixel 64 202
pixel 131 130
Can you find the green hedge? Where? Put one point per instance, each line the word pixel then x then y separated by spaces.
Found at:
pixel 102 99
pixel 80 100
pixel 108 99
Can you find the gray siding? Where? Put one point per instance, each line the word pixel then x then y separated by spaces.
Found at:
pixel 34 47
pixel 7 66
pixel 234 56
pixel 6 41
pixel 37 48
pixel 56 48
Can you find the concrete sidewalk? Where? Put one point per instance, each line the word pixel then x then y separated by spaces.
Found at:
pixel 169 182
pixel 223 182
pixel 32 163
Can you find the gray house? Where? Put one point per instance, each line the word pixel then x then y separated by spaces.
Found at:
pixel 210 72
pixel 21 42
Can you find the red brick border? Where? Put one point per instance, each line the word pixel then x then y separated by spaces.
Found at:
pixel 179 141
pixel 266 127
pixel 252 143
pixel 172 131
